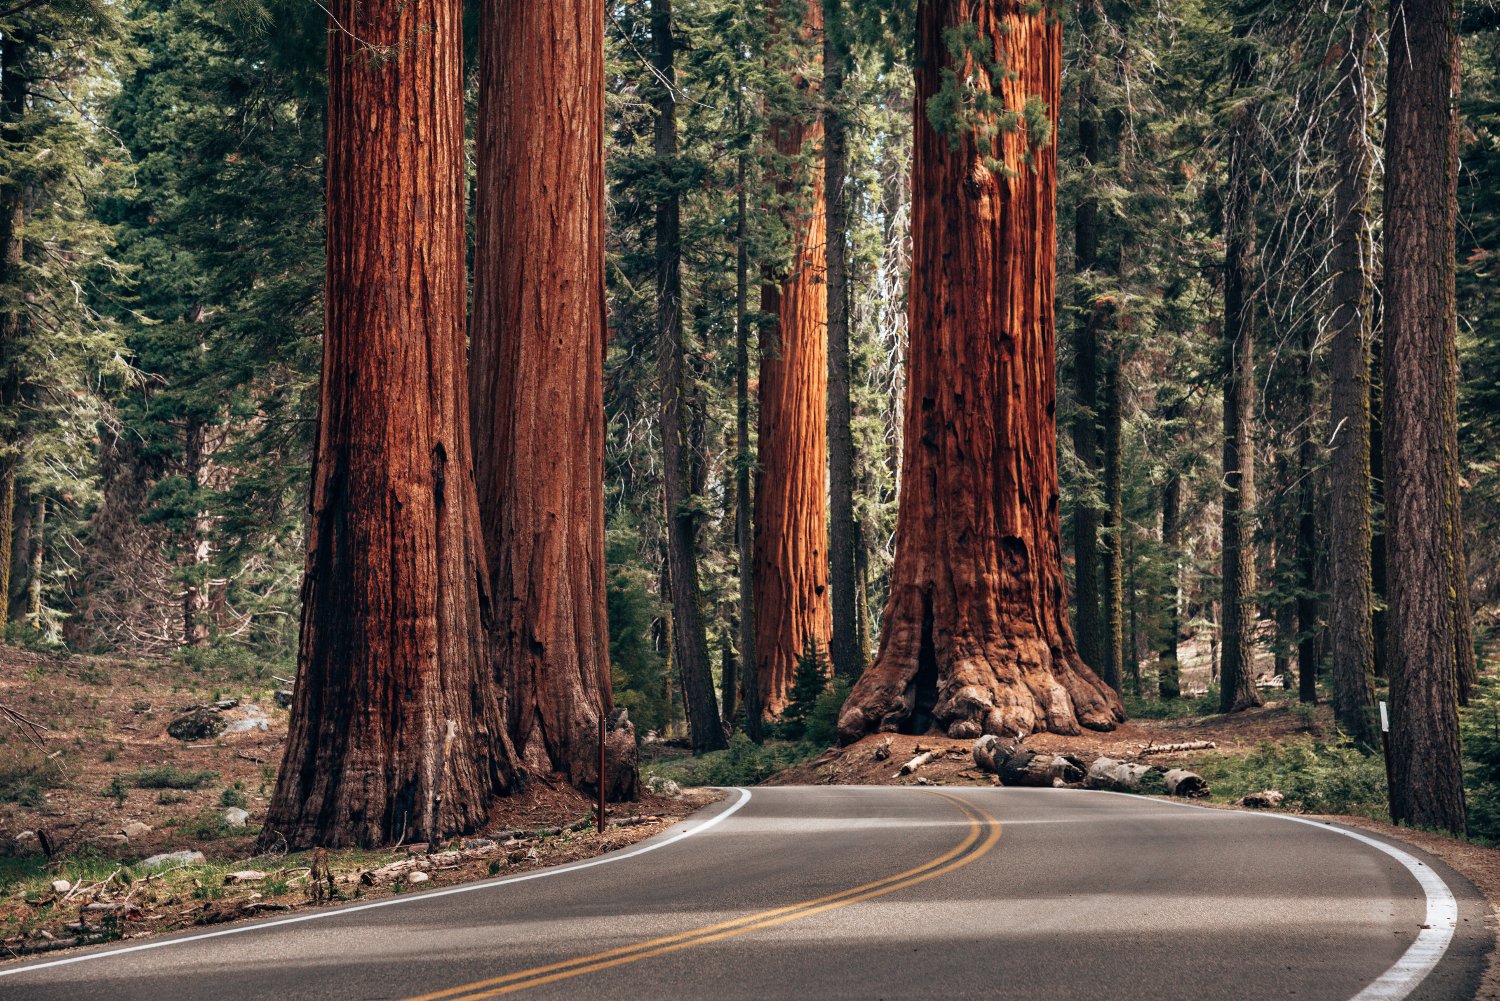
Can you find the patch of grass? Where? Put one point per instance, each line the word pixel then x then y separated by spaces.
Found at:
pixel 172 777
pixel 234 796
pixel 1315 776
pixel 168 798
pixel 26 774
pixel 116 791
pixel 743 763
pixel 1142 708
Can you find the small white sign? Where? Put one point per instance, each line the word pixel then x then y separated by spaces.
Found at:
pixel 1385 721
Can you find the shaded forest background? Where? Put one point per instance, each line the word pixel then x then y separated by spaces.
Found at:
pixel 163 300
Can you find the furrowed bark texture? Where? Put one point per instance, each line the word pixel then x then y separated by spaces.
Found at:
pixel 396 731
pixel 536 372
pixel 690 643
pixel 1168 669
pixel 1420 390
pixel 975 637
pixel 1237 670
pixel 1114 525
pixel 1351 542
pixel 13 90
pixel 843 535
pixel 791 510
pixel 744 526
pixel 1086 327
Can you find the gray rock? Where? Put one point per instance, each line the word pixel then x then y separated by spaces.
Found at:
pixel 284 698
pixel 198 724
pixel 61 886
pixel 248 724
pixel 172 858
pixel 235 817
pixel 417 877
pixel 135 829
pixel 663 787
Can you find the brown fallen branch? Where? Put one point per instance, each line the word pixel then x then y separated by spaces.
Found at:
pixel 30 728
pixel 915 763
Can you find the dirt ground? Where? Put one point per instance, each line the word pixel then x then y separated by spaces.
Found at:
pixel 105 786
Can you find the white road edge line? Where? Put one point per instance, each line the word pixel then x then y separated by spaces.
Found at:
pixel 1433 938
pixel 393 901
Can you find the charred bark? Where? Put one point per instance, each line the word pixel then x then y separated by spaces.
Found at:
pixel 1352 636
pixel 1426 769
pixel 397 733
pixel 975 637
pixel 536 373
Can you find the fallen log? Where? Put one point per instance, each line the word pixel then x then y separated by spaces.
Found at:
pixel 1121 776
pixel 1039 770
pixel 1181 782
pixel 915 763
pixel 1189 745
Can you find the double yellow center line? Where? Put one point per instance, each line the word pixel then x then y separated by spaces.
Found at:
pixel 983 832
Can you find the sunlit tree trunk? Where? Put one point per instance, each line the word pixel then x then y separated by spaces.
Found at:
pixel 791 512
pixel 975 638
pixel 397 732
pixel 1421 457
pixel 536 373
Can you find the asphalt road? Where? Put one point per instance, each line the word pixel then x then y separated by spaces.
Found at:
pixel 869 892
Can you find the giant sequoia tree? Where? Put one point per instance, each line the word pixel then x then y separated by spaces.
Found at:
pixel 536 372
pixel 791 513
pixel 975 637
pixel 396 730
pixel 1421 461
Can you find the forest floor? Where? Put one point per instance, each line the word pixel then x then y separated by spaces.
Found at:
pixel 106 788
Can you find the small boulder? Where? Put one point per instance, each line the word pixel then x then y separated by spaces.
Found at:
pixel 223 704
pixel 663 787
pixel 202 723
pixel 172 858
pixel 61 886
pixel 249 724
pixel 235 817
pixel 417 877
pixel 135 829
pixel 284 698
pixel 243 876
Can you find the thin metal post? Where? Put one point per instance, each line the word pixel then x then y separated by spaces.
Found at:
pixel 601 771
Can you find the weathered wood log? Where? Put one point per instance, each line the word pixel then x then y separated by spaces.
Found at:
pixel 1190 745
pixel 1266 799
pixel 1121 776
pixel 883 750
pixel 1181 782
pixel 915 763
pixel 1040 770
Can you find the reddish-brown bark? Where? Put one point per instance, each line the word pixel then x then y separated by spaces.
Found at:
pixel 791 506
pixel 396 731
pixel 975 636
pixel 536 372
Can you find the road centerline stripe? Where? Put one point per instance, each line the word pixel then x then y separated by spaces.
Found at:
pixel 955 858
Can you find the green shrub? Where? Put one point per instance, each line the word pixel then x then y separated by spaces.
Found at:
pixel 1315 776
pixel 172 777
pixel 822 721
pixel 234 796
pixel 742 763
pixel 809 682
pixel 1481 735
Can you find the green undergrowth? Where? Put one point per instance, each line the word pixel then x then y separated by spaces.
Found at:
pixel 742 763
pixel 1316 776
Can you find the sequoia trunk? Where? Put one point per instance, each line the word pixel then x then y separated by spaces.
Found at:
pixel 975 637
pixel 536 372
pixel 791 512
pixel 1426 768
pixel 396 732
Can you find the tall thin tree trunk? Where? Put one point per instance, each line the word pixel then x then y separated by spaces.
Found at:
pixel 1114 522
pixel 744 528
pixel 1420 415
pixel 975 638
pixel 1086 327
pixel 1379 585
pixel 791 512
pixel 13 90
pixel 397 730
pixel 536 376
pixel 195 542
pixel 844 650
pixel 1237 669
pixel 1307 532
pixel 1351 543
pixel 38 562
pixel 690 642
pixel 1168 674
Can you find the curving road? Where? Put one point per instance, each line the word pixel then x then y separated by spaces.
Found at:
pixel 871 892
